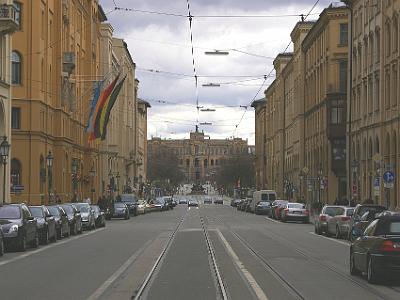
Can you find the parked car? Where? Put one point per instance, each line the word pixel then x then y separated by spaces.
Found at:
pixel 263 208
pixel 377 251
pixel 183 201
pixel 262 195
pixel 74 218
pixel 45 222
pixel 162 202
pixel 248 205
pixel 61 218
pixel 1 241
pixel 18 226
pixel 242 205
pixel 327 212
pixel 99 216
pixel 277 207
pixel 142 207
pixel 193 202
pixel 218 200
pixel 363 215
pixel 339 224
pixel 118 210
pixel 155 205
pixel 169 201
pixel 87 215
pixel 131 201
pixel 295 212
pixel 208 200
pixel 235 202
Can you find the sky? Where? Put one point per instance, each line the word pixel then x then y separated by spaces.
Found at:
pixel 159 38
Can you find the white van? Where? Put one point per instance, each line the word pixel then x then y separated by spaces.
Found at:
pixel 263 195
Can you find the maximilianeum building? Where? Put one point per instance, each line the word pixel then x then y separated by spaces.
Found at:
pixel 200 156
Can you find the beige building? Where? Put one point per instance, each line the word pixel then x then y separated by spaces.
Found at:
pixel 55 59
pixel 373 102
pixel 200 156
pixel 304 155
pixel 9 23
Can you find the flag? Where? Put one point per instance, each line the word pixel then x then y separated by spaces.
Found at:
pixel 99 107
pixel 96 95
pixel 113 98
pixel 105 116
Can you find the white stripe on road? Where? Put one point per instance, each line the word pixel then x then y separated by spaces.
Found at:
pixel 331 239
pixel 272 220
pixel 250 279
pixel 25 255
pixel 100 291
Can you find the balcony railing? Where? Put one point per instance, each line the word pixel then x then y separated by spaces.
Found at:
pixel 8 19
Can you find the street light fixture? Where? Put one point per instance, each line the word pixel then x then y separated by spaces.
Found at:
pixel 205 123
pixel 49 161
pixel 211 84
pixel 207 110
pixel 4 152
pixel 216 52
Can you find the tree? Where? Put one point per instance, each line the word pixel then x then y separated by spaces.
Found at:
pixel 163 166
pixel 237 168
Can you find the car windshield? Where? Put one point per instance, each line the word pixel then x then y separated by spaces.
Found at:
pixel 10 212
pixel 53 211
pixel 119 205
pixel 333 211
pixel 350 212
pixel 95 208
pixel 83 208
pixel 37 212
pixel 128 198
pixel 296 205
pixel 372 209
pixel 264 203
pixel 68 209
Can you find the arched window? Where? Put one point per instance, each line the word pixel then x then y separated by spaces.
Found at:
pixel 16 172
pixel 15 68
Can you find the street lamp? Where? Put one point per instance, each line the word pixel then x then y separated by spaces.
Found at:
pixel 4 152
pixel 118 177
pixel 92 174
pixel 211 84
pixel 49 161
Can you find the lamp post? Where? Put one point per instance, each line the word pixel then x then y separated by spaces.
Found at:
pixel 118 177
pixel 75 177
pixel 49 162
pixel 92 174
pixel 4 152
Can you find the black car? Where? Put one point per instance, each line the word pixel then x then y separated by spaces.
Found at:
pixel 61 218
pixel 99 216
pixel 218 201
pixel 45 222
pixel 1 242
pixel 74 218
pixel 19 226
pixel 363 215
pixel 263 208
pixel 169 201
pixel 131 201
pixel 194 203
pixel 377 251
pixel 118 210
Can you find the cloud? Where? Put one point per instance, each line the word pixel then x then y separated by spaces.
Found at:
pixel 162 43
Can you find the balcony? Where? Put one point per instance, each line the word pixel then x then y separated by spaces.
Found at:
pixel 336 115
pixel 8 19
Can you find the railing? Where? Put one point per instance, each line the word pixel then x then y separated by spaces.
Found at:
pixel 7 12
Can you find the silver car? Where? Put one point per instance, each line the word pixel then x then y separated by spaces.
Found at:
pixel 339 224
pixel 328 211
pixel 295 212
pixel 87 215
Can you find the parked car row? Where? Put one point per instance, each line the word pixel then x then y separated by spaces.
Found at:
pixel 22 225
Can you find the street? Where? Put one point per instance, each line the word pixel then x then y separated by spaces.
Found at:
pixel 210 252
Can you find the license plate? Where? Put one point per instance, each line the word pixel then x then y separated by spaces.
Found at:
pixel 297 212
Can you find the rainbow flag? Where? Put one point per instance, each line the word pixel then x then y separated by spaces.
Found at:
pixel 96 96
pixel 105 114
pixel 94 126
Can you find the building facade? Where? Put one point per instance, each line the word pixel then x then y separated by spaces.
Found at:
pixel 374 101
pixel 9 23
pixel 200 156
pixel 141 155
pixel 55 59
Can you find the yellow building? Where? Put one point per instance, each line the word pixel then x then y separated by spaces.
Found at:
pixel 260 143
pixel 9 23
pixel 55 61
pixel 373 102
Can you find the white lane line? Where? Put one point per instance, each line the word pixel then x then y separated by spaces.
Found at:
pixel 272 220
pixel 30 253
pixel 330 239
pixel 100 291
pixel 250 279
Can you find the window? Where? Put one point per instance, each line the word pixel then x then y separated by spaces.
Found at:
pixel 17 8
pixel 344 34
pixel 16 172
pixel 343 76
pixel 15 68
pixel 338 113
pixel 16 118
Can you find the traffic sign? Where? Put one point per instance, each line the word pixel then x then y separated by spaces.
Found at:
pixel 388 177
pixel 355 190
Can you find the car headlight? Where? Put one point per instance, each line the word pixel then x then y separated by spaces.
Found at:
pixel 13 228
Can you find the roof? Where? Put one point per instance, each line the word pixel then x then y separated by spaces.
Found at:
pixel 141 101
pixel 255 103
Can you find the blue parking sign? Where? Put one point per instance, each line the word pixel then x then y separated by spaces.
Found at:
pixel 388 177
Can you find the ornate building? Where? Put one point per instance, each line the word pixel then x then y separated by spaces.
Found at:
pixel 200 156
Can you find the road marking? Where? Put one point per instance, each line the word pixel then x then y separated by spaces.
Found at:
pixel 331 239
pixel 250 279
pixel 272 220
pixel 27 254
pixel 100 290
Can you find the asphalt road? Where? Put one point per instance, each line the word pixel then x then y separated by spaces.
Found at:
pixel 213 252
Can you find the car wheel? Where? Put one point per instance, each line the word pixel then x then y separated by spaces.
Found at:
pixel 338 234
pixel 35 242
pixel 1 247
pixel 22 244
pixel 371 272
pixel 353 269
